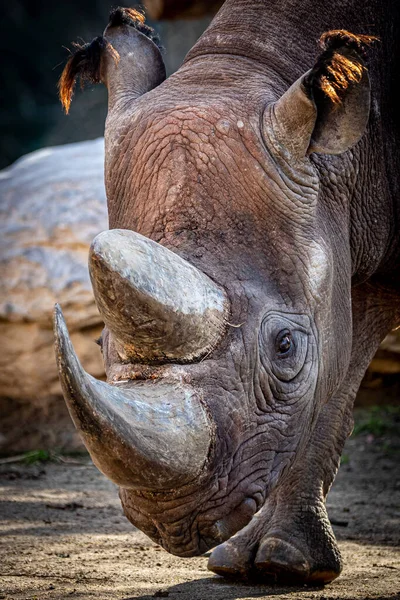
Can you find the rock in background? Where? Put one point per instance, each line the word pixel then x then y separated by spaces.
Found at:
pixel 52 204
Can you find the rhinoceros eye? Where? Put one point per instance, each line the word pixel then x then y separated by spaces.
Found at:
pixel 290 353
pixel 284 342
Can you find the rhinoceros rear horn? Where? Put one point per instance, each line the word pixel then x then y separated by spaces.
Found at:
pixel 327 109
pixel 157 306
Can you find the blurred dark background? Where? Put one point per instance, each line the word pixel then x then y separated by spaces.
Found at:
pixel 34 38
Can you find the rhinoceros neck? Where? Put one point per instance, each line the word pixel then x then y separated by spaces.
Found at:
pixel 271 32
pixel 280 38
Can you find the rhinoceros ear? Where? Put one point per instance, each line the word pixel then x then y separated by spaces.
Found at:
pixel 128 48
pixel 327 109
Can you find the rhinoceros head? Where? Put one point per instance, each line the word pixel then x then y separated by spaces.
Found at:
pixel 224 279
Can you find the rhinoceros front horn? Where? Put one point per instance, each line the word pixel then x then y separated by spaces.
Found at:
pixel 145 435
pixel 157 306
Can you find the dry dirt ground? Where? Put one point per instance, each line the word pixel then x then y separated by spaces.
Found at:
pixel 63 536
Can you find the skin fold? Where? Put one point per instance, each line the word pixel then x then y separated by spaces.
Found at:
pixel 287 199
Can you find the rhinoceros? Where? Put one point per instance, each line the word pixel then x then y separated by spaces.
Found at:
pixel 249 273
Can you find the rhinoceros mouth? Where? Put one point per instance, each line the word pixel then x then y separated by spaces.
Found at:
pixel 119 373
pixel 186 522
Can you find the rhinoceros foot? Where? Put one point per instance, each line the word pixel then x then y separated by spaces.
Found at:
pixel 295 547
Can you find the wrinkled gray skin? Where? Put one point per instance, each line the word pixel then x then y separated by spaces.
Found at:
pixel 295 219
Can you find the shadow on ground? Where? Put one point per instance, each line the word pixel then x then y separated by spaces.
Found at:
pixel 63 535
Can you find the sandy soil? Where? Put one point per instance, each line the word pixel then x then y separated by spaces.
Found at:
pixel 63 536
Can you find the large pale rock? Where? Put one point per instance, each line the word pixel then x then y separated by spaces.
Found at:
pixel 52 205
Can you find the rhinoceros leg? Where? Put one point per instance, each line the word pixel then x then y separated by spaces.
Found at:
pixel 291 538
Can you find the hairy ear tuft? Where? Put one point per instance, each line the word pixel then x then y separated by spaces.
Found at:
pixel 133 18
pixel 339 38
pixel 85 64
pixel 327 109
pixel 340 64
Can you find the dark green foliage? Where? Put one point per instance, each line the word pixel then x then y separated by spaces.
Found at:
pixel 378 421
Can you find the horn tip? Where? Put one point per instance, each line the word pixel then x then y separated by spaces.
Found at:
pixel 60 326
pixel 65 353
pixel 58 311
